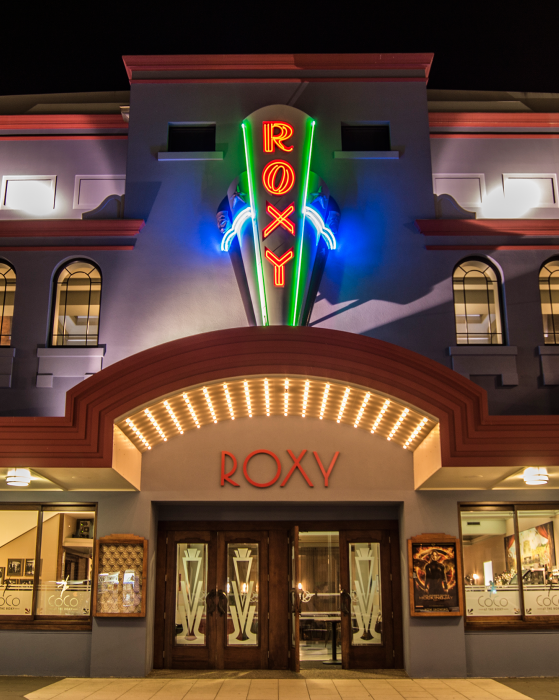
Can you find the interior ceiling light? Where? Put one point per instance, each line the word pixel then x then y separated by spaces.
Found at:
pixel 18 477
pixel 535 476
pixel 276 395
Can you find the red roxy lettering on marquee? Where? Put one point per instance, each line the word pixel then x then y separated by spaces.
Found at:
pixel 272 139
pixel 279 218
pixel 278 263
pixel 226 475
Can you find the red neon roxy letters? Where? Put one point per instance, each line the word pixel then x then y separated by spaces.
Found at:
pixel 272 139
pixel 279 263
pixel 286 180
pixel 279 219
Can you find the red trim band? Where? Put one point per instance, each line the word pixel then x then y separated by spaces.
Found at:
pixel 39 248
pixel 451 135
pixel 60 228
pixel 519 120
pixel 488 227
pixel 66 137
pixel 62 121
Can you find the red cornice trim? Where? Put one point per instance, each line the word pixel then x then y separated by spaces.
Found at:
pixel 493 136
pixel 78 228
pixel 488 227
pixel 492 247
pixel 279 62
pixel 469 435
pixel 524 120
pixel 66 137
pixel 177 81
pixel 62 121
pixel 39 248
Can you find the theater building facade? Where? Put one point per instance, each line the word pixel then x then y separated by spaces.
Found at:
pixel 279 362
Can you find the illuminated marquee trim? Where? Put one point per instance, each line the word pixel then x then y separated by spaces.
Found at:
pixel 235 230
pixel 279 218
pixel 279 263
pixel 270 172
pixel 321 229
pixel 272 140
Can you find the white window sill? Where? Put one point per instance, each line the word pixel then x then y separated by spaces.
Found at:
pixel 190 155
pixel 486 360
pixel 366 155
pixel 6 366
pixel 79 362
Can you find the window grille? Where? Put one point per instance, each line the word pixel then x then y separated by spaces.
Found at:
pixel 77 305
pixel 476 284
pixel 549 295
pixel 7 294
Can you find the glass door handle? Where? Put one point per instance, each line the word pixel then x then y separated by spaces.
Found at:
pixel 221 602
pixel 210 602
pixel 345 602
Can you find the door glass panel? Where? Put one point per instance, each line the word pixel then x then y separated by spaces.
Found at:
pixel 319 592
pixel 490 575
pixel 366 604
pixel 191 586
pixel 242 594
pixel 65 573
pixel 537 530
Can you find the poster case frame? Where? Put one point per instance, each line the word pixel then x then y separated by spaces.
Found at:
pixel 120 540
pixel 434 540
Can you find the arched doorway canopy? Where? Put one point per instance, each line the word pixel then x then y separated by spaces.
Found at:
pixel 249 396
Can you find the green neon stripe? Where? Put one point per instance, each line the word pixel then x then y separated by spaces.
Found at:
pixel 256 237
pixel 303 209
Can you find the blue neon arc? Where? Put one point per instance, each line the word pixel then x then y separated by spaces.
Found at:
pixel 236 227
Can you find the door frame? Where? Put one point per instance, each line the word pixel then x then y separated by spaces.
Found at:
pixel 278 566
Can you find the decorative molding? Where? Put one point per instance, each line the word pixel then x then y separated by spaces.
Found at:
pixel 366 155
pixel 294 67
pixel 77 228
pixel 486 360
pixel 492 247
pixel 469 435
pixel 40 248
pixel 65 137
pixel 67 362
pixel 6 366
pixel 549 360
pixel 482 135
pixel 166 156
pixel 520 120
pixel 488 227
pixel 32 122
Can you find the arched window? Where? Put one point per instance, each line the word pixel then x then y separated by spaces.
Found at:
pixel 77 302
pixel 7 294
pixel 549 295
pixel 475 284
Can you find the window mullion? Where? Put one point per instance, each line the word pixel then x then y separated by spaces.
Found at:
pixel 519 565
pixel 36 573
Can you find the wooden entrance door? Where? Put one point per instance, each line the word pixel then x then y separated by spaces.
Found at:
pixel 216 611
pixel 366 600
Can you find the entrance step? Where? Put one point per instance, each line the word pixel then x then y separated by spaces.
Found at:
pixel 241 685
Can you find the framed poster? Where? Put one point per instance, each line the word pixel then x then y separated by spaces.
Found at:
pixel 29 567
pixel 15 567
pixel 435 575
pixel 119 586
pixel 2 575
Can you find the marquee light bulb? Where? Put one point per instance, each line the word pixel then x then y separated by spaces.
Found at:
pixel 398 423
pixel 267 396
pixel 286 398
pixel 209 402
pixel 362 409
pixel 138 433
pixel 324 400
pixel 380 416
pixel 229 402
pixel 535 476
pixel 247 398
pixel 18 477
pixel 305 398
pixel 191 409
pixel 342 407
pixel 173 416
pixel 155 424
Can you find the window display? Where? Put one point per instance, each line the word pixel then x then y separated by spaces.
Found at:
pixel 18 545
pixel 500 542
pixel 66 563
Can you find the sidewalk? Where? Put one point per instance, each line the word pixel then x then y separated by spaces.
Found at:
pixel 371 686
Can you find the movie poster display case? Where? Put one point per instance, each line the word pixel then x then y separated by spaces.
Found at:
pixel 121 579
pixel 435 576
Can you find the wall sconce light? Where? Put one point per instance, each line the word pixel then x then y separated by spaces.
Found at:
pixel 535 476
pixel 18 477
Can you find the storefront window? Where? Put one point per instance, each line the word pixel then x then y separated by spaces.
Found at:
pixel 46 561
pixel 538 558
pixel 497 544
pixel 18 547
pixel 490 569
pixel 65 575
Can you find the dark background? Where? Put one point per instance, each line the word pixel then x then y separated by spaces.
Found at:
pixel 77 47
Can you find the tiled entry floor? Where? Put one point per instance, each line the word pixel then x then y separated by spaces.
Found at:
pixel 274 689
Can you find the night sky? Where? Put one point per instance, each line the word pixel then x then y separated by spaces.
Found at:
pixel 477 46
